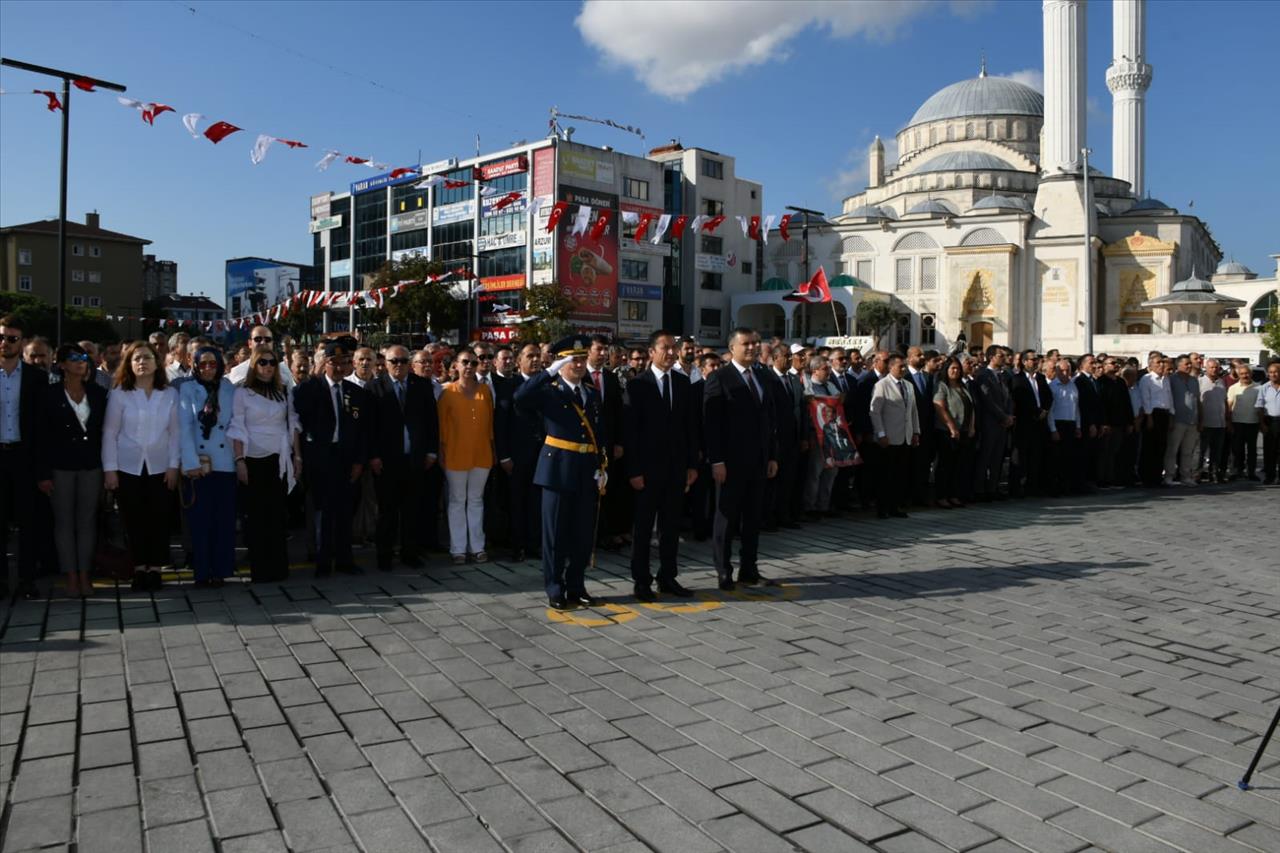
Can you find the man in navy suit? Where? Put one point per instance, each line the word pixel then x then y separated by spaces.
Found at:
pixel 518 438
pixel 572 470
pixel 742 449
pixel 333 413
pixel 661 449
pixel 1032 401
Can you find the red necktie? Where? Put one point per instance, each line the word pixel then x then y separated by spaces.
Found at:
pixel 595 379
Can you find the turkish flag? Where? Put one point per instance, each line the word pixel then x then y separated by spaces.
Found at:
pixel 712 224
pixel 82 84
pixel 401 172
pixel 455 185
pixel 54 103
pixel 507 200
pixel 815 289
pixel 356 161
pixel 677 226
pixel 292 143
pixel 150 112
pixel 557 210
pixel 219 131
pixel 753 230
pixel 602 225
pixel 782 227
pixel 642 226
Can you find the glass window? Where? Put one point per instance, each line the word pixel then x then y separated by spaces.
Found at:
pixel 95 277
pixel 634 270
pixel 463 193
pixel 746 267
pixel 632 310
pixel 502 262
pixel 637 189
pixel 928 273
pixel 711 207
pixel 902 329
pixel 24 257
pixel 671 188
pixel 712 168
pixel 370 232
pixel 95 251
pixel 404 198
pixel 710 317
pixel 95 301
pixel 711 281
pixel 863 271
pixel 77 250
pixel 24 282
pixel 77 301
pixel 77 275
pixel 902 274
pixel 711 245
pixel 928 334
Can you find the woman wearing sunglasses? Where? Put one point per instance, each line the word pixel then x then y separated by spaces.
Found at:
pixel 264 437
pixel 69 462
pixel 208 464
pixel 465 409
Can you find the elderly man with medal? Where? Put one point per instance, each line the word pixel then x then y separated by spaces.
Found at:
pixel 572 470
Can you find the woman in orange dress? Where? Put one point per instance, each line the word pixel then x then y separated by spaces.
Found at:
pixel 465 409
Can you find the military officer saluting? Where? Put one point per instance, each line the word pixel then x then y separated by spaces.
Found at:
pixel 572 469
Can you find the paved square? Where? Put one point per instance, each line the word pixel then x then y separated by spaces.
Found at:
pixel 1062 676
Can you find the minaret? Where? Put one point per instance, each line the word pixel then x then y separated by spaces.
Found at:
pixel 1128 78
pixel 875 159
pixel 1064 86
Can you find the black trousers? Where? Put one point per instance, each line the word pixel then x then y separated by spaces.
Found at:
pixel 17 499
pixel 921 465
pixel 1271 449
pixel 1244 447
pixel 1028 443
pixel 990 458
pixel 1067 476
pixel 1151 465
pixel 399 490
pixel 335 499
pixel 868 473
pixel 781 503
pixel 661 500
pixel 893 483
pixel 146 509
pixel 955 464
pixel 741 519
pixel 264 496
pixel 525 500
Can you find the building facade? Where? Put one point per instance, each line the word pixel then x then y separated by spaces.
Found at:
pixel 104 268
pixel 620 285
pixel 159 278
pixel 193 308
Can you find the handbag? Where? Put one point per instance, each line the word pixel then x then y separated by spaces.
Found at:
pixel 111 557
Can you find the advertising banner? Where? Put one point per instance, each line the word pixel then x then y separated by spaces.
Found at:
pixel 862 343
pixel 440 166
pixel 542 271
pixel 492 283
pixel 520 205
pixel 712 263
pixel 495 334
pixel 320 205
pixel 628 231
pixel 326 223
pixel 502 168
pixel 589 268
pixel 509 240
pixel 544 172
pixel 256 284
pixel 414 220
pixel 457 212
pixel 585 167
pixel 385 180
pixel 639 291
pixel 338 269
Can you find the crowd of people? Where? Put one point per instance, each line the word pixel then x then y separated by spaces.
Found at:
pixel 551 451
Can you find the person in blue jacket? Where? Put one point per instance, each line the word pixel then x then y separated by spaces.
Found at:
pixel 572 469
pixel 205 404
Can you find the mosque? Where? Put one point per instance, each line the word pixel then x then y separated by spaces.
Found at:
pixel 984 228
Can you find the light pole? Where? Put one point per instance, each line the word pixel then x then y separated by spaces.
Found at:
pixel 1088 251
pixel 804 236
pixel 66 77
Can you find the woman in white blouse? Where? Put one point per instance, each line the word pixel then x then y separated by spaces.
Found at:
pixel 264 436
pixel 140 457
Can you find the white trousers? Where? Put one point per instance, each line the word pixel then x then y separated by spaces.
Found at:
pixel 1179 454
pixel 466 510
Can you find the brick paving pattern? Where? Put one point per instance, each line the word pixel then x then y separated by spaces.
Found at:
pixel 1070 676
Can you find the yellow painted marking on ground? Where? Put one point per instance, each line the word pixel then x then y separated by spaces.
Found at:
pixel 706 601
pixel 621 613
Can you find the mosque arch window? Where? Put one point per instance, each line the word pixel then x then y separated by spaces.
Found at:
pixel 991 130
pixel 1264 308
pixel 1019 130
pixel 951 133
pixel 933 135
pixel 929 274
pixel 1002 182
pixel 916 142
pixel 968 130
pixel 902 275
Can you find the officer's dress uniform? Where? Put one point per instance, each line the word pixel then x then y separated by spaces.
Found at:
pixel 572 455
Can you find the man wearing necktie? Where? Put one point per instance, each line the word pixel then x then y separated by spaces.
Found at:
pixel 782 493
pixel 616 511
pixel 405 441
pixel 922 385
pixel 742 448
pixel 896 425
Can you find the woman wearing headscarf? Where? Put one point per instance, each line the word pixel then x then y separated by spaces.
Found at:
pixel 70 462
pixel 205 407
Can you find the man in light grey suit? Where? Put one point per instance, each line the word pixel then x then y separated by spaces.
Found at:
pixel 995 410
pixel 895 423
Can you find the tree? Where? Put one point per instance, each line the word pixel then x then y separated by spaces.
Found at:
pixel 877 315
pixel 1271 332
pixel 550 309
pixel 426 306
pixel 38 317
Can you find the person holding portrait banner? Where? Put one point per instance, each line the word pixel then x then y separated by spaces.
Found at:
pixel 833 446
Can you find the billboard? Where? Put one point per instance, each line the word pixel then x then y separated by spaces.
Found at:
pixel 585 167
pixel 256 284
pixel 589 268
pixel 386 180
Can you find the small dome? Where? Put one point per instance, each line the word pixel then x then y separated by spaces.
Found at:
pixel 1194 284
pixel 980 96
pixel 1150 205
pixel 870 211
pixel 1232 268
pixel 964 161
pixel 932 206
pixel 776 284
pixel 1002 202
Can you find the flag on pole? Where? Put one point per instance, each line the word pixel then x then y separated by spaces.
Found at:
pixel 677 226
pixel 815 289
pixel 642 226
pixel 219 131
pixel 602 224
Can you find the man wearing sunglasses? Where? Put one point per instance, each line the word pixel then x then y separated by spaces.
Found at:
pixel 260 336
pixel 21 389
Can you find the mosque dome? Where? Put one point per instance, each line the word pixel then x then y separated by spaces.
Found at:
pixel 932 206
pixel 980 96
pixel 1001 202
pixel 1232 268
pixel 964 161
pixel 871 211
pixel 1150 205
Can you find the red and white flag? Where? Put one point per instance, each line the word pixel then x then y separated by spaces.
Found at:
pixel 602 224
pixel 712 224
pixel 642 226
pixel 557 211
pixel 152 110
pixel 660 229
pixel 54 103
pixel 356 161
pixel 506 201
pixel 219 131
pixel 402 171
pixel 677 226
pixel 753 228
pixel 815 289
pixel 292 143
pixel 782 227
pixel 83 85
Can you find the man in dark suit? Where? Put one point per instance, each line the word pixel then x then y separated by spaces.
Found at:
pixel 1092 420
pixel 781 495
pixel 333 414
pixel 22 390
pixel 404 445
pixel 923 384
pixel 660 447
pixel 742 447
pixel 995 418
pixel 857 411
pixel 572 470
pixel 615 518
pixel 702 496
pixel 518 437
pixel 1032 401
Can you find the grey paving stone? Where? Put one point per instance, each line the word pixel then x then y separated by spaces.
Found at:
pixel 47 740
pixel 505 812
pixel 106 788
pixel 263 842
pixel 767 806
pixel 166 758
pixel 109 831
pixel 465 770
pixel 310 720
pixel 203 703
pixel 825 838
pixel 396 760
pixel 227 768
pixel 667 832
pixel 743 835
pixel 256 712
pixel 40 778
pixel 313 825
pixel 937 823
pixel 388 830
pixel 589 826
pixel 240 811
pixel 38 823
pixel 190 837
pixel 463 835
pixel 272 743
pixel 105 749
pixel 175 799
pixel 433 735
pixel 291 779
pixel 851 815
pixel 612 789
pixel 537 779
pixel 1021 828
pixel 429 801
pixel 358 790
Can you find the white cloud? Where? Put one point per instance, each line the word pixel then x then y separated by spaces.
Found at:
pixel 854 178
pixel 1032 77
pixel 677 48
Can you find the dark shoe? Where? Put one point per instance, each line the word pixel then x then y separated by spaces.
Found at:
pixel 559 603
pixel 644 593
pixel 674 588
pixel 518 556
pixel 411 562
pixel 589 600
pixel 749 578
pixel 726 584
pixel 897 513
pixel 349 569
pixel 27 590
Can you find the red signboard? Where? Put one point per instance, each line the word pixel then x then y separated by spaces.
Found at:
pixel 502 282
pixel 544 172
pixel 495 334
pixel 589 268
pixel 502 168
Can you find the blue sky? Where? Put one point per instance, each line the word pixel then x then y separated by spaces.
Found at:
pixel 795 91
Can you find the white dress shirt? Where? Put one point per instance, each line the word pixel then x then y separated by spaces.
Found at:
pixel 141 430
pixel 265 426
pixel 238 373
pixel 658 375
pixel 1156 393
pixel 693 373
pixel 1066 403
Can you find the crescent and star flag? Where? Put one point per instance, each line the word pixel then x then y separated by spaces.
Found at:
pixel 782 227
pixel 356 161
pixel 642 226
pixel 815 289
pixel 455 185
pixel 506 201
pixel 82 84
pixel 663 221
pixel 602 224
pixel 292 143
pixel 557 210
pixel 677 226
pixel 401 172
pixel 219 131
pixel 54 103
pixel 712 224
pixel 753 228
pixel 582 220
pixel 152 110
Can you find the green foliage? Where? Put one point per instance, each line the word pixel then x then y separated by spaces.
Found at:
pixel 1271 332
pixel 877 315
pixel 420 307
pixel 38 317
pixel 550 308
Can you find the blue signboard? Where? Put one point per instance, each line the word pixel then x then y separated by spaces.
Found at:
pixel 639 291
pixel 385 180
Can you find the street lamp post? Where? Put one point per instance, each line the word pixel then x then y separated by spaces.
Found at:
pixel 804 236
pixel 66 77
